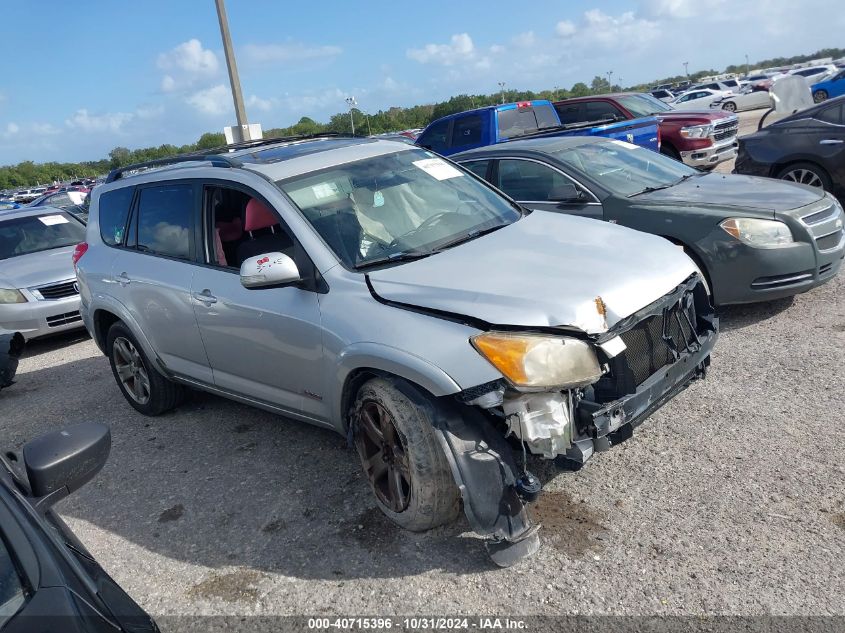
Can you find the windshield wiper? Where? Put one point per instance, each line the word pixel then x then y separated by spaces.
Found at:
pixel 666 186
pixel 400 256
pixel 466 237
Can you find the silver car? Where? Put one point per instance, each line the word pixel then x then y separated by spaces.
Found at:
pixel 376 289
pixel 39 294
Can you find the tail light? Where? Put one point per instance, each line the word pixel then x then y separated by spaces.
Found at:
pixel 78 252
pixel 659 137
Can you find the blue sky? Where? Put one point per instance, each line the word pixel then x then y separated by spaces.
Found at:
pixel 82 78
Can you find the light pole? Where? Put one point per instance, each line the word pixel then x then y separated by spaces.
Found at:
pixel 350 101
pixel 234 80
pixel 746 64
pixel 609 84
pixel 686 69
pixel 502 90
pixel 556 89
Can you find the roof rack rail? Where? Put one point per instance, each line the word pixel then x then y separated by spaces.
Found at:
pixel 217 155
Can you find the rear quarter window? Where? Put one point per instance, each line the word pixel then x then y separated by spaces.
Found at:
pixel 113 213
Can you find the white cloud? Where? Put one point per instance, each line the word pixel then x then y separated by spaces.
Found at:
pixel 213 101
pixel 565 28
pixel 106 122
pixel 683 8
pixel 12 129
pixel 257 103
pixel 149 111
pixel 168 84
pixel 524 40
pixel 190 57
pixel 459 48
pixel 288 52
pixel 44 129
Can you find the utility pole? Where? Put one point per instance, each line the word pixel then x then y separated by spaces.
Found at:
pixel 350 101
pixel 502 90
pixel 686 69
pixel 746 64
pixel 234 80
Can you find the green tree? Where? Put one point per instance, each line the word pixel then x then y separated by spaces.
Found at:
pixel 580 90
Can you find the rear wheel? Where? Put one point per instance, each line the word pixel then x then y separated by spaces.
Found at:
pixel 730 106
pixel 402 459
pixel 806 174
pixel 146 389
pixel 820 95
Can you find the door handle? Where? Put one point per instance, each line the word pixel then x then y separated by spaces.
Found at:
pixel 831 141
pixel 123 279
pixel 205 297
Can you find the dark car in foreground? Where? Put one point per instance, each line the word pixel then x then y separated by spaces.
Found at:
pixel 806 147
pixel 11 348
pixel 48 580
pixel 755 239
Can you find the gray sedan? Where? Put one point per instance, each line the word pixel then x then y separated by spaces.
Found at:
pixel 38 290
pixel 755 239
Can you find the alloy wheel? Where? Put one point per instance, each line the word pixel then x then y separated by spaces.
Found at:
pixel 130 370
pixel 383 456
pixel 730 106
pixel 803 176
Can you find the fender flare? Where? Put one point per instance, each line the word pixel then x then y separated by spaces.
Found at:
pixel 115 307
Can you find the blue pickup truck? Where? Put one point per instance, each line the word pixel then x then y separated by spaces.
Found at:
pixel 498 124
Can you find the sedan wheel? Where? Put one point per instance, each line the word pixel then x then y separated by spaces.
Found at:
pixel 820 95
pixel 803 176
pixel 130 370
pixel 730 106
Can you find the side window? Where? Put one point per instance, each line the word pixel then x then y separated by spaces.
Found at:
pixel 60 200
pixel 570 113
pixel 11 590
pixel 528 181
pixel 599 110
pixel 466 131
pixel 434 138
pixel 832 115
pixel 165 220
pixel 478 167
pixel 114 210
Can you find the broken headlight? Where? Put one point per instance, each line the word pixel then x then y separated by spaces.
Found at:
pixel 758 233
pixel 532 362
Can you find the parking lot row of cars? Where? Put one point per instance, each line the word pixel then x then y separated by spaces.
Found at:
pixel 544 289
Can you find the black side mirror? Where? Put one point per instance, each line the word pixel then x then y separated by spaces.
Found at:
pixel 63 461
pixel 565 193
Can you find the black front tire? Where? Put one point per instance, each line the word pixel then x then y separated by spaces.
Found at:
pixel 432 498
pixel 164 394
pixel 806 173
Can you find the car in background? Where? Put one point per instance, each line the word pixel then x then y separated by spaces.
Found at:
pixel 815 74
pixel 9 205
pixel 833 87
pixel 754 239
pixel 750 97
pixel 697 99
pixel 725 85
pixel 50 581
pixel 700 139
pixel 72 201
pixel 807 147
pixel 663 95
pixel 39 294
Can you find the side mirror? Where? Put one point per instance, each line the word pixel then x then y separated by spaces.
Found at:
pixel 565 193
pixel 269 270
pixel 63 461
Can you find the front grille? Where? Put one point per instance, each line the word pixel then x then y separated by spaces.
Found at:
pixel 58 291
pixel 829 241
pixel 63 319
pixel 820 216
pixel 656 341
pixel 728 130
pixel 825 268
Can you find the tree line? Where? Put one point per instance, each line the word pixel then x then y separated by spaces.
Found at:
pixel 28 173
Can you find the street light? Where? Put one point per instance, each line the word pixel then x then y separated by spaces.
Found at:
pixel 502 89
pixel 746 64
pixel 350 101
pixel 686 69
pixel 609 84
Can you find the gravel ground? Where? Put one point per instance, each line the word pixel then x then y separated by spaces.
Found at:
pixel 728 500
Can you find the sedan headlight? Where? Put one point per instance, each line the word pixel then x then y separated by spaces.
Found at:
pixel 758 233
pixel 535 361
pixel 11 295
pixel 696 131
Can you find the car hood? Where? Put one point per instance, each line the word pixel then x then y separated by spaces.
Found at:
pixel 728 190
pixel 692 117
pixel 545 270
pixel 36 269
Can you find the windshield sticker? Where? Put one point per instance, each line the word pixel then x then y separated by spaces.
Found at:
pixel 438 168
pixel 325 190
pixel 50 220
pixel 624 144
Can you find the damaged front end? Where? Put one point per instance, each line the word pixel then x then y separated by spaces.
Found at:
pixel 642 362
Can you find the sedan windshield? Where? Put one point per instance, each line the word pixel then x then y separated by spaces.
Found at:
pixel 643 104
pixel 625 169
pixel 399 206
pixel 31 234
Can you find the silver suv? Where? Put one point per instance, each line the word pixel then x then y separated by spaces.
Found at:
pixel 376 289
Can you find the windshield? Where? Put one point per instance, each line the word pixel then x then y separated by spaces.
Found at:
pixel 31 234
pixel 396 206
pixel 624 169
pixel 642 104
